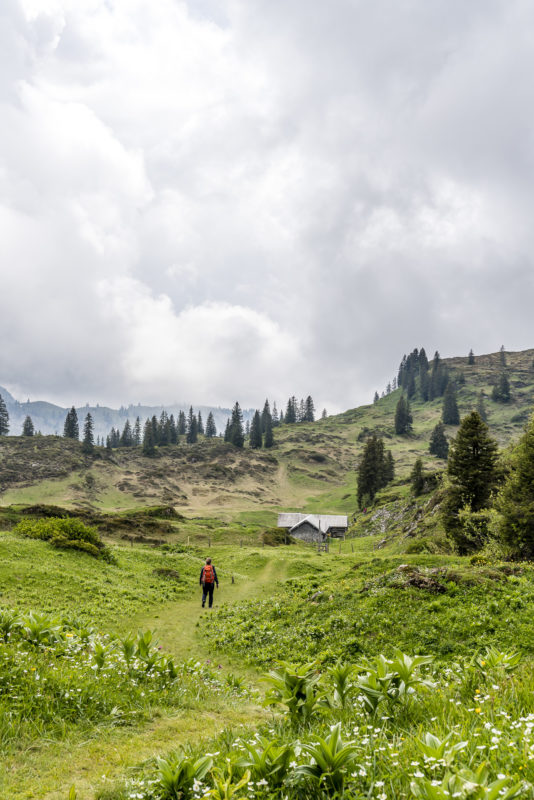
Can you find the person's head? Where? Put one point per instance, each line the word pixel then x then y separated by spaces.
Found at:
pixel 208 560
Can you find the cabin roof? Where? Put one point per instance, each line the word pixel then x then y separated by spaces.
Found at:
pixel 322 522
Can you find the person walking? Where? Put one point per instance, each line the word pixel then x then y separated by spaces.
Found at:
pixel 208 579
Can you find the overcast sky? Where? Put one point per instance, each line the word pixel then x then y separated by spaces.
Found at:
pixel 214 200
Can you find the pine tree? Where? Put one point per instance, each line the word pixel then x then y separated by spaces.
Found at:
pixel 192 427
pixel 237 436
pixel 256 439
pixel 149 446
pixel 376 398
pixel 247 429
pixel 373 470
pixel 211 430
pixel 516 500
pixel 501 392
pixel 481 407
pixel 155 429
pixel 181 423
pixel 275 417
pixel 137 432
pixel 403 416
pixel 71 428
pixel 200 424
pixel 388 388
pixel 268 439
pixel 108 444
pixel 389 472
pixel 88 438
pixel 439 446
pixel 450 413
pixel 291 411
pixel 173 433
pixel 502 356
pixel 27 427
pixel 410 384
pixel 417 478
pixel 471 358
pixel 266 413
pixel 4 418
pixel 324 414
pixel 227 431
pixel 473 474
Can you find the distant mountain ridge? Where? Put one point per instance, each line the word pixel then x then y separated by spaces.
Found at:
pixel 49 418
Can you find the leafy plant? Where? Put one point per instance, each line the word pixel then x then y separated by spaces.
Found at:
pixel 341 676
pixel 178 775
pixel 330 760
pixel 468 783
pixel 296 688
pixel 268 760
pixel 224 787
pixel 39 628
pixel 494 659
pixel 435 749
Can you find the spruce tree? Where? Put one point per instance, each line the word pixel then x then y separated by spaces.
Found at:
pixel 291 411
pixel 237 435
pixel 516 500
pixel 192 427
pixel 28 428
pixel 265 414
pixel 200 424
pixel 450 413
pixel 502 356
pixel 389 472
pixel 108 444
pixel 181 427
pixel 88 437
pixel 149 445
pixel 501 392
pixel 473 475
pixel 173 433
pixel 247 429
pixel 155 429
pixel 403 417
pixel 126 439
pixel 324 414
pixel 228 431
pixel 163 429
pixel 417 478
pixel 376 398
pixel 137 432
pixel 439 446
pixel 256 439
pixel 268 439
pixel 211 430
pixel 373 470
pixel 281 419
pixel 471 358
pixel 4 418
pixel 71 429
pixel 309 410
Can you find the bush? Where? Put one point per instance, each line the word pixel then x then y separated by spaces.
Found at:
pixel 274 537
pixel 71 534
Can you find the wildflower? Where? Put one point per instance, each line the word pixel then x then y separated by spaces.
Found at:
pixel 478 710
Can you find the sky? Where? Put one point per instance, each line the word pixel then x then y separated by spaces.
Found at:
pixel 219 200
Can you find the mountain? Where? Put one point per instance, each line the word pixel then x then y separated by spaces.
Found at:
pixel 49 418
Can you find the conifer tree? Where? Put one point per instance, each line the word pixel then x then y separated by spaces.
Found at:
pixel 473 474
pixel 439 446
pixel 373 470
pixel 268 438
pixel 410 384
pixel 309 410
pixel 149 445
pixel 211 430
pixel 173 433
pixel 4 418
pixel 481 407
pixel 501 392
pixel 247 429
pixel 502 356
pixel 137 432
pixel 275 417
pixel 471 358
pixel 256 439
pixel 376 397
pixel 291 411
pixel 28 428
pixel 126 439
pixel 450 413
pixel 389 471
pixel 516 500
pixel 324 414
pixel 227 431
pixel 192 427
pixel 388 388
pixel 71 428
pixel 181 423
pixel 155 429
pixel 237 436
pixel 417 478
pixel 200 424
pixel 108 444
pixel 281 419
pixel 403 416
pixel 88 437
pixel 265 415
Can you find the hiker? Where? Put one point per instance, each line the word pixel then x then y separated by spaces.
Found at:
pixel 208 579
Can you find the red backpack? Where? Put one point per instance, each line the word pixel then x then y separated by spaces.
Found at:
pixel 209 574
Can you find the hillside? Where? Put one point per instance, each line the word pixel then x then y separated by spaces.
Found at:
pixel 312 466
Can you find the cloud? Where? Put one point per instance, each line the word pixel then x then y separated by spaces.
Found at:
pixel 216 201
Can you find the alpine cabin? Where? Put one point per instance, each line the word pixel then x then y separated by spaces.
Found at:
pixel 314 527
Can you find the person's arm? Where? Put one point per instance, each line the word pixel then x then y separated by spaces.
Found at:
pixel 215 576
pixel 201 573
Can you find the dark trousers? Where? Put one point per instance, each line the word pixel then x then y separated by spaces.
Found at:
pixel 207 590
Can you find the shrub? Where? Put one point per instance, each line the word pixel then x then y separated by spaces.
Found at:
pixel 67 533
